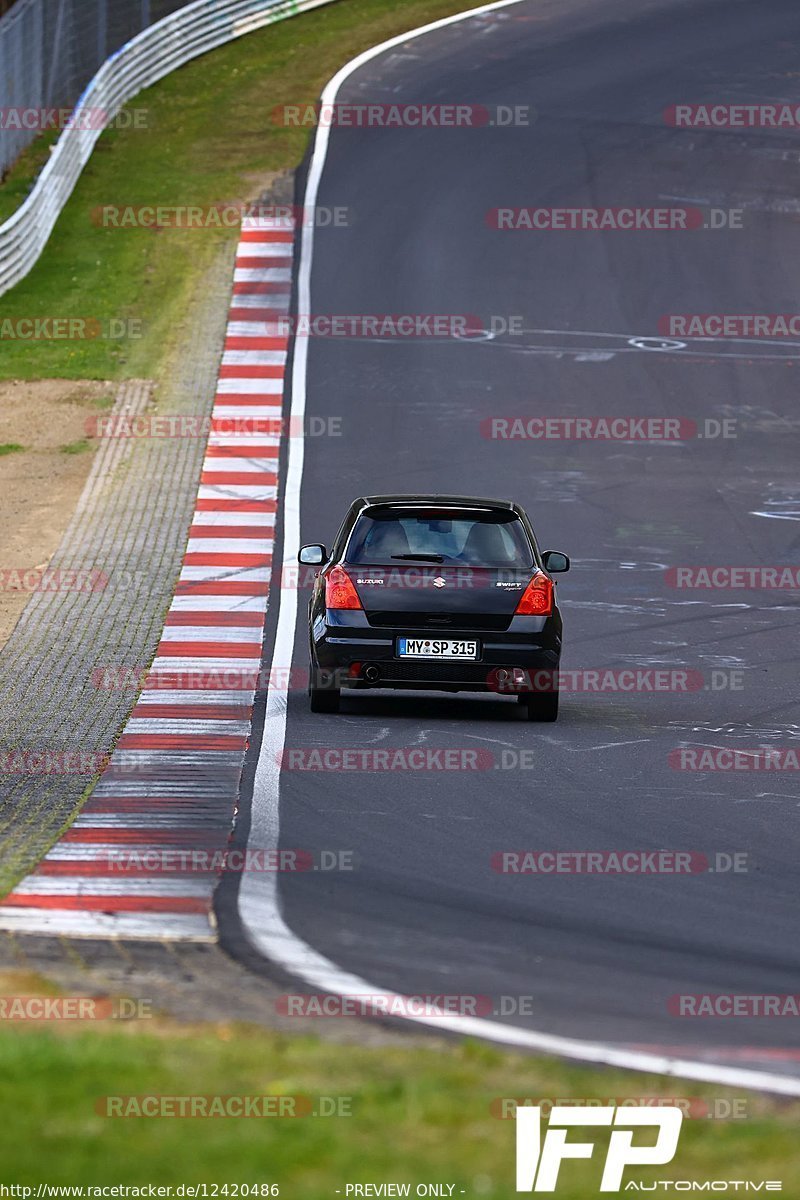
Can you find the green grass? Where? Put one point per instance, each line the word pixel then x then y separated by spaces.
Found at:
pixel 210 138
pixel 416 1114
pixel 10 448
pixel 79 447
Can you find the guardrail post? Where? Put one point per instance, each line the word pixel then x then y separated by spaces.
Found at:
pixel 48 98
pixel 102 31
pixel 37 54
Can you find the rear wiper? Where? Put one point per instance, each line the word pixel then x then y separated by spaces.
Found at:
pixel 437 558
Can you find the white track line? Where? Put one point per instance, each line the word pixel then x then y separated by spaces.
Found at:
pixel 259 904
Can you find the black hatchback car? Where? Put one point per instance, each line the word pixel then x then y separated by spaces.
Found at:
pixel 441 593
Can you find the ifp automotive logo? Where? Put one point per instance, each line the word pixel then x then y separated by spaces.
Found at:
pixel 539 1160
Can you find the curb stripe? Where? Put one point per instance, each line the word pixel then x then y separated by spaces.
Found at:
pixel 193 712
pixel 226 506
pixel 235 451
pixel 225 620
pixel 219 519
pixel 225 531
pixel 257 312
pixel 236 477
pixel 221 588
pixel 210 650
pixel 256 371
pixel 254 231
pixel 238 341
pixel 144 836
pixel 227 560
pixel 83 903
pixel 181 741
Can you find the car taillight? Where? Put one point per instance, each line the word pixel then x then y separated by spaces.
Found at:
pixel 340 590
pixel 537 599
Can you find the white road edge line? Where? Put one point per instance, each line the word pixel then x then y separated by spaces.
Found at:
pixel 259 904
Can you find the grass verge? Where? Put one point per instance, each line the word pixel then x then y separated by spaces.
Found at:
pixel 210 138
pixel 405 1115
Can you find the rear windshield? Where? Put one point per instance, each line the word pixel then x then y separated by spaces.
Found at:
pixel 495 538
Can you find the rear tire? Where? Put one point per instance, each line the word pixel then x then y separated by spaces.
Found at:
pixel 322 698
pixel 543 707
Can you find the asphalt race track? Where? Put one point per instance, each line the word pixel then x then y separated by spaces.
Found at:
pixel 599 956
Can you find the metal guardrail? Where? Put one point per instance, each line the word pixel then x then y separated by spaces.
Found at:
pixel 148 57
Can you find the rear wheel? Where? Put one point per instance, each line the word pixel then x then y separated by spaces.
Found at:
pixel 323 697
pixel 542 707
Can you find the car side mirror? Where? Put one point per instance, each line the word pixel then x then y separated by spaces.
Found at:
pixel 555 561
pixel 312 556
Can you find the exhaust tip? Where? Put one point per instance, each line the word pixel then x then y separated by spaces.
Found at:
pixel 371 673
pixel 509 680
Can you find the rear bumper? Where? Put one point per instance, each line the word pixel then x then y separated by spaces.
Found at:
pixel 517 660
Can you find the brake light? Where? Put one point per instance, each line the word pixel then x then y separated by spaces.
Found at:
pixel 537 599
pixel 340 590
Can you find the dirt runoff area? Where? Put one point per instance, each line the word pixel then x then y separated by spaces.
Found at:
pixel 46 453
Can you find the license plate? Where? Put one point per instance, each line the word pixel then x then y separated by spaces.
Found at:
pixel 435 648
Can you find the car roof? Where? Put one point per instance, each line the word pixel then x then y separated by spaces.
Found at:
pixel 436 498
